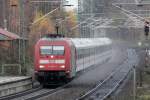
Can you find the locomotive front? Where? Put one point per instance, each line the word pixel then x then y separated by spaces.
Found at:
pixel 52 61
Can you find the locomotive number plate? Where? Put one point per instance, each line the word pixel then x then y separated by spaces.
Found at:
pixel 52 61
pixel 51 66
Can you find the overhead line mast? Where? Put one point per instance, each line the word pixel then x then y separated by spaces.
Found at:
pixel 130 13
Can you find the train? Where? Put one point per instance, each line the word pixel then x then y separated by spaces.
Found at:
pixel 60 59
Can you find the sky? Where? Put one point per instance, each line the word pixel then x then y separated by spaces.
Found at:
pixel 73 2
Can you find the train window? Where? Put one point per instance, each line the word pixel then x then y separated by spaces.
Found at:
pixel 46 50
pixel 58 50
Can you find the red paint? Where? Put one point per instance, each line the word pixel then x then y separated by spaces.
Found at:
pixel 53 66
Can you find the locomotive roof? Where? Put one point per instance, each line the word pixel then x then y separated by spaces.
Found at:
pixel 83 42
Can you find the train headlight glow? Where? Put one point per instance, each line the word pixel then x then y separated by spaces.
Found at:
pixel 62 66
pixel 140 43
pixel 41 66
pixel 52 56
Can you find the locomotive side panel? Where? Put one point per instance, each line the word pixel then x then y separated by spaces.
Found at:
pixel 73 61
pixel 92 56
pixel 91 51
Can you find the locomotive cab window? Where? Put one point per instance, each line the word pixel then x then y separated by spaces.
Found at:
pixel 46 50
pixel 58 50
pixel 52 50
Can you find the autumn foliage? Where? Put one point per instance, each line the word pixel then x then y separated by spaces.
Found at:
pixel 72 19
pixel 40 28
pixel 71 22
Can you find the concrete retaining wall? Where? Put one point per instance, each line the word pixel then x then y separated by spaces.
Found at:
pixel 15 86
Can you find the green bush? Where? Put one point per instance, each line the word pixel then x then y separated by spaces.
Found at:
pixel 144 97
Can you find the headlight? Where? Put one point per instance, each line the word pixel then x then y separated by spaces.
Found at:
pixel 62 66
pixel 41 66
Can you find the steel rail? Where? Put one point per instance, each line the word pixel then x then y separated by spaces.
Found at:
pixel 39 93
pixel 99 85
pixel 12 96
pixel 118 84
pixel 33 94
pixel 111 83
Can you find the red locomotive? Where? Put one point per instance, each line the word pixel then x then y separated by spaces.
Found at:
pixel 61 58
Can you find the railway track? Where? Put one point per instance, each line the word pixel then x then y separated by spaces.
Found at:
pixel 38 94
pixel 12 96
pixel 100 92
pixel 38 91
pixel 32 94
pixel 112 82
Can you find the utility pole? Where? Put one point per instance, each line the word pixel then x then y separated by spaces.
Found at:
pixel 4 14
pixel 5 24
pixel 22 48
pixel 134 82
pixel 91 11
pixel 79 15
pixel 61 15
